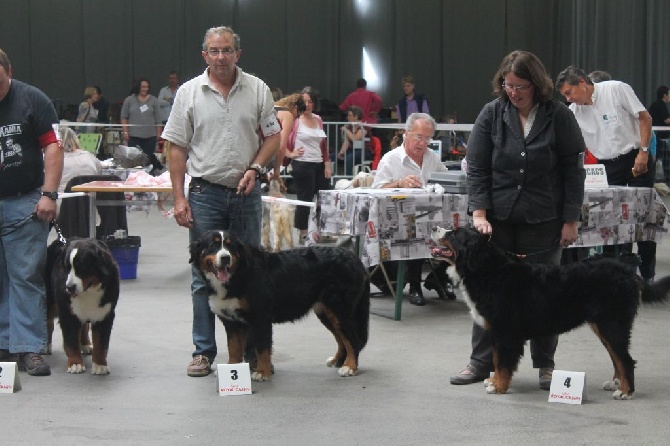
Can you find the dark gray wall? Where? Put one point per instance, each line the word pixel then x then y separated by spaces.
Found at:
pixel 451 47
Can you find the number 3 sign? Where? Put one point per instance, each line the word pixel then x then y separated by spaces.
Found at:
pixel 233 379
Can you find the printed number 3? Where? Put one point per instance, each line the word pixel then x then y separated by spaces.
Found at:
pixel 233 375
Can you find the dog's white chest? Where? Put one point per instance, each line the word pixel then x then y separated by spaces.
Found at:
pixel 229 309
pixel 456 278
pixel 86 305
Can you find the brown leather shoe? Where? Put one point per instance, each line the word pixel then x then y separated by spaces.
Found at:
pixel 468 375
pixel 545 377
pixel 199 366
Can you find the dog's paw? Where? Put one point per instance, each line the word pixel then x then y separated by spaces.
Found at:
pixel 347 371
pixel 490 388
pixel 611 385
pixel 97 369
pixel 619 395
pixel 86 349
pixel 76 368
pixel 257 376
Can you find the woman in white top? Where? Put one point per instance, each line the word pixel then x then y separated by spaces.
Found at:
pixel 75 161
pixel 87 113
pixel 311 170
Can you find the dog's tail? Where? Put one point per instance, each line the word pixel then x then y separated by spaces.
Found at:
pixel 657 291
pixel 362 314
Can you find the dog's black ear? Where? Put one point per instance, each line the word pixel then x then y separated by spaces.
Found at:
pixel 194 249
pixel 477 251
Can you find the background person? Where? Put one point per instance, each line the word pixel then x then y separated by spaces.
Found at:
pixel 617 130
pixel 351 133
pixel 31 162
pixel 102 106
pixel 75 161
pixel 311 170
pixel 213 137
pixel 166 95
pixel 525 186
pixel 410 166
pixel 368 101
pixel 288 109
pixel 87 112
pixel 411 102
pixel 660 115
pixel 142 111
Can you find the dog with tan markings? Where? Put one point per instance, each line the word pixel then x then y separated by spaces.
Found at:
pixel 251 289
pixel 83 289
pixel 516 301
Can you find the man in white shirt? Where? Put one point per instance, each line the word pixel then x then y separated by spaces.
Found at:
pixel 617 131
pixel 410 165
pixel 213 131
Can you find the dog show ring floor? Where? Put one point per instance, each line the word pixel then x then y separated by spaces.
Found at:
pixel 401 395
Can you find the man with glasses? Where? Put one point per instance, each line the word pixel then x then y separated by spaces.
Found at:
pixel 31 163
pixel 617 131
pixel 409 166
pixel 222 130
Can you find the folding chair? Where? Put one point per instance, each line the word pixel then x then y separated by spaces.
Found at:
pixel 90 142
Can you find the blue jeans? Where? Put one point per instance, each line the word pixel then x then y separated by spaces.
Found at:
pixel 218 208
pixel 23 326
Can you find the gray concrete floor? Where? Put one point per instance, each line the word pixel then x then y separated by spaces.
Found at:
pixel 401 396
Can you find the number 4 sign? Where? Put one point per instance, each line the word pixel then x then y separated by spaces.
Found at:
pixel 233 379
pixel 9 377
pixel 567 387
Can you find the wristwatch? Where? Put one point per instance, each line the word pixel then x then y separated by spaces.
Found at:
pixel 257 167
pixel 52 195
pixel 644 149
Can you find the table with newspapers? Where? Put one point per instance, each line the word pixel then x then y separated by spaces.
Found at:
pixel 395 224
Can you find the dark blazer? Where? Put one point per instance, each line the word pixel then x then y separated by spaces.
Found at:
pixel 533 179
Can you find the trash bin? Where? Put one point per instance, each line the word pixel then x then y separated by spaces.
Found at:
pixel 126 252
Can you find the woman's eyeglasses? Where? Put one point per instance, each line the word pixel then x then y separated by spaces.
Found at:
pixel 517 88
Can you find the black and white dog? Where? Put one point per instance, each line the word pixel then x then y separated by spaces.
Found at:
pixel 83 289
pixel 251 289
pixel 516 301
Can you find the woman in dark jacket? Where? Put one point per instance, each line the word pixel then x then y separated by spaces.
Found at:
pixel 525 185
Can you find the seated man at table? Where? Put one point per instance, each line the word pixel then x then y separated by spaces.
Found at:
pixel 410 165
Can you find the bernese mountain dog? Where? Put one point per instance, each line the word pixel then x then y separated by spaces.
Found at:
pixel 251 289
pixel 82 289
pixel 516 301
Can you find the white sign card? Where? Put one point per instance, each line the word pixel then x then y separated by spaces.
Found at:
pixel 233 379
pixel 567 387
pixel 595 176
pixel 9 377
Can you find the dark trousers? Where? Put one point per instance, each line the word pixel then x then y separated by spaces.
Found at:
pixel 540 243
pixel 148 146
pixel 619 173
pixel 309 179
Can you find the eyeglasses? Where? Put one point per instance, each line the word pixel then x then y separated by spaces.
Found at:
pixel 421 138
pixel 516 87
pixel 224 52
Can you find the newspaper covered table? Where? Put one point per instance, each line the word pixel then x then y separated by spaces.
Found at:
pixel 395 224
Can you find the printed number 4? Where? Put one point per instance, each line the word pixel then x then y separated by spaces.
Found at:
pixel 233 375
pixel 566 383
